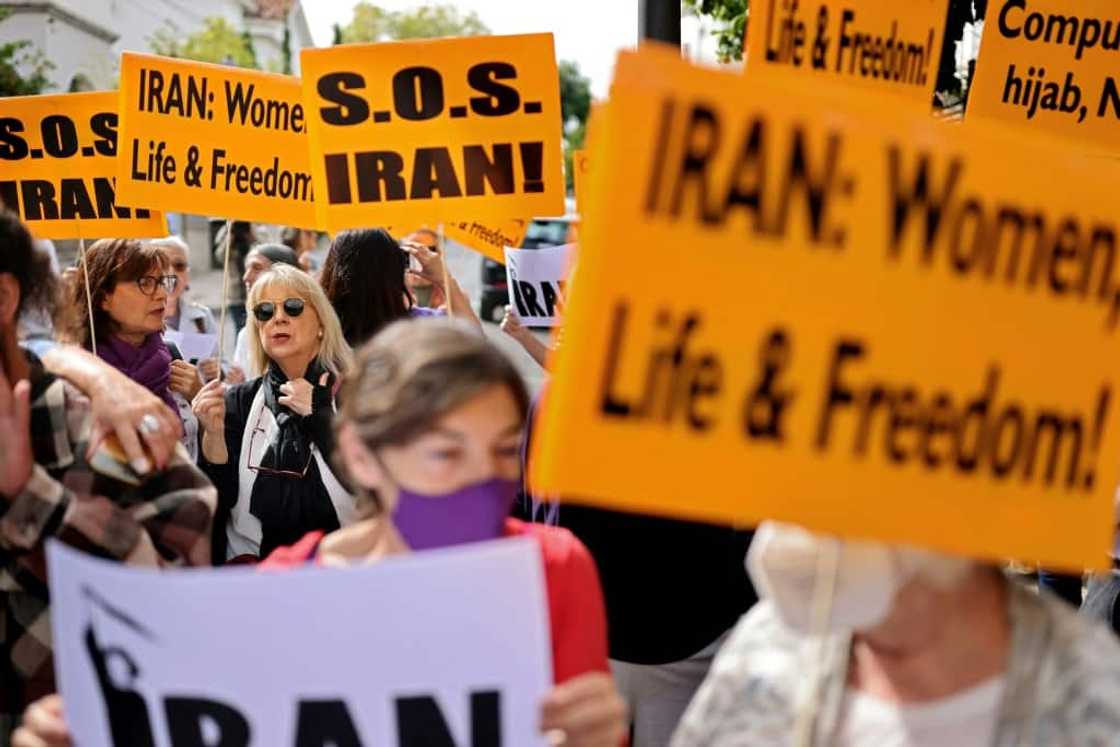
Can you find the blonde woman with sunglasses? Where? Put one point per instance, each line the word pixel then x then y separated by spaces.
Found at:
pixel 266 443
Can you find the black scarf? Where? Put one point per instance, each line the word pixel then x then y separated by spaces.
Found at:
pixel 291 448
pixel 288 507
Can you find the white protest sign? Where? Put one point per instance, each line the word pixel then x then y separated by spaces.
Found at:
pixel 440 648
pixel 194 346
pixel 536 283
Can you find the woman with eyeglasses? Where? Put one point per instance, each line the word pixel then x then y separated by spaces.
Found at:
pixel 182 314
pixel 187 376
pixel 129 284
pixel 266 442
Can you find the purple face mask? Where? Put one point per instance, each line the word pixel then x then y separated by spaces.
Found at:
pixel 471 514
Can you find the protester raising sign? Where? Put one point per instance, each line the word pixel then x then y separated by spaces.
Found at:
pixel 536 282
pixel 410 652
pixel 57 164
pixel 444 130
pixel 882 44
pixel 904 331
pixel 488 240
pixel 214 140
pixel 1053 64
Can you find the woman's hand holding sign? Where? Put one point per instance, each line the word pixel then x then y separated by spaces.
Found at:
pixel 210 408
pixel 185 379
pixel 585 711
pixel 43 725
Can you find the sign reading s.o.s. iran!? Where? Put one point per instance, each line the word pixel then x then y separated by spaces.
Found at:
pixel 429 650
pixel 435 131
pixel 1053 65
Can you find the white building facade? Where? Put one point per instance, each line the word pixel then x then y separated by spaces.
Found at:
pixel 84 38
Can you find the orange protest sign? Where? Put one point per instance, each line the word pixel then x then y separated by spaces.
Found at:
pixel 906 331
pixel 488 240
pixel 581 172
pixel 881 44
pixel 214 140
pixel 57 166
pixel 435 130
pixel 1051 64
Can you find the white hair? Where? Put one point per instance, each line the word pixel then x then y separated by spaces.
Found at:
pixel 172 241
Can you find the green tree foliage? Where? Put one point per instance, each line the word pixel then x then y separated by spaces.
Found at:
pixel 731 15
pixel 575 105
pixel 575 93
pixel 369 24
pixel 217 42
pixel 372 23
pixel 430 21
pixel 20 54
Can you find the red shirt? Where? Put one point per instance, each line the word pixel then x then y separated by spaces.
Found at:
pixel 577 618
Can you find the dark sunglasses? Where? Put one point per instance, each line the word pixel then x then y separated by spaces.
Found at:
pixel 265 310
pixel 149 283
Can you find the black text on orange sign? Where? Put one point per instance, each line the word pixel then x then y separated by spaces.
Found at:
pixel 71 198
pixel 418 96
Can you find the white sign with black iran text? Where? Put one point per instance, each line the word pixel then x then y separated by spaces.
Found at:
pixel 536 283
pixel 440 648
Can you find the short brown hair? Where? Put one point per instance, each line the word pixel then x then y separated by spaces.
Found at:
pixel 109 261
pixel 416 371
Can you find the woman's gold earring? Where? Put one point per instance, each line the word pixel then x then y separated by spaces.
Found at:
pixel 320 334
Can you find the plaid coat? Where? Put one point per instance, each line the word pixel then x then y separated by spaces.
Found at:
pixel 106 517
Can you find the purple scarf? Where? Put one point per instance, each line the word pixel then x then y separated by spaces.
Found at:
pixel 148 365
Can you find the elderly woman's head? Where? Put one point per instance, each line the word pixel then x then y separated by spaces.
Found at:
pixel 874 584
pixel 291 324
pixel 129 284
pixel 261 258
pixel 179 260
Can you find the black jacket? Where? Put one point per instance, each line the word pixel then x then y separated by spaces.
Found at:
pixel 292 507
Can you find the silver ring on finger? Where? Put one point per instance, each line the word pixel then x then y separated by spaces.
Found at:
pixel 149 425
